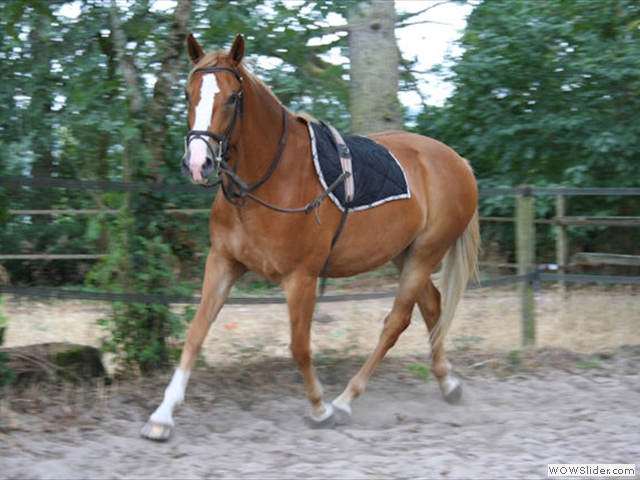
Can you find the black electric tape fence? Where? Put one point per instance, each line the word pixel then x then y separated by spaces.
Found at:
pixel 64 294
pixel 183 188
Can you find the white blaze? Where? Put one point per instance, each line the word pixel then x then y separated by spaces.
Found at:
pixel 204 110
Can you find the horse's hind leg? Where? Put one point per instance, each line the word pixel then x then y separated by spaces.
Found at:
pixel 429 304
pixel 412 280
pixel 394 324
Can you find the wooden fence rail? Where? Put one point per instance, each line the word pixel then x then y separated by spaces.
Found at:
pixel 525 247
pixel 606 259
pixel 525 221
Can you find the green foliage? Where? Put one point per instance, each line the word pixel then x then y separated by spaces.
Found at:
pixel 420 369
pixel 515 359
pixel 4 320
pixel 547 93
pixel 140 262
pixel 7 376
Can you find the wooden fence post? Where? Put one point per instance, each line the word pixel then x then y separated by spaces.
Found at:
pixel 561 241
pixel 525 255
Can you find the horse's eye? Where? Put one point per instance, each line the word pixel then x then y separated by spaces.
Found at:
pixel 233 98
pixel 186 96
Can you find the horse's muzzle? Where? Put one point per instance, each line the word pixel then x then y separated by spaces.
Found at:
pixel 197 173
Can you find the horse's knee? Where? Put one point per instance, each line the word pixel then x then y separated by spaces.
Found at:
pixel 300 355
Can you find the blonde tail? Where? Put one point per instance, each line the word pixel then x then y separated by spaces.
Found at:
pixel 459 264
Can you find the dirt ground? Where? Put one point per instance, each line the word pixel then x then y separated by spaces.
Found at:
pixel 573 399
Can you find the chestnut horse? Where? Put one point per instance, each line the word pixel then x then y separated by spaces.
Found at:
pixel 271 216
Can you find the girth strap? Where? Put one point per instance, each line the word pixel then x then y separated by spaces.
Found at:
pixel 349 192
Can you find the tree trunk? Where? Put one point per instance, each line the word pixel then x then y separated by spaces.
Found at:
pixel 172 65
pixel 375 58
pixel 40 123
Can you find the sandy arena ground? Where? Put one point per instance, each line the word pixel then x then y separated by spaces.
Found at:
pixel 245 418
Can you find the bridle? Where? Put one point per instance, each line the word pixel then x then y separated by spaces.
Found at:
pixel 237 191
pixel 223 138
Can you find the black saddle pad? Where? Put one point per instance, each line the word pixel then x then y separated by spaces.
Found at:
pixel 377 174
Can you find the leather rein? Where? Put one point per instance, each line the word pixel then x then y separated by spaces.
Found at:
pixel 237 191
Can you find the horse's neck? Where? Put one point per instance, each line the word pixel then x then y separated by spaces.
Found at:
pixel 262 132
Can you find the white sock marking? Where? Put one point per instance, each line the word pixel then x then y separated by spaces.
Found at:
pixel 173 396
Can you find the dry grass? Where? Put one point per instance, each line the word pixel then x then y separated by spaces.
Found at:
pixel 587 321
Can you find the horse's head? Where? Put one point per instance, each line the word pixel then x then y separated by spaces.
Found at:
pixel 214 93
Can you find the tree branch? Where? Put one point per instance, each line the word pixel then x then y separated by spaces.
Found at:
pixel 125 62
pixel 430 7
pixel 403 18
pixel 421 22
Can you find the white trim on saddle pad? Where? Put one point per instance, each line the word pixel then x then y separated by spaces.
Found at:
pixel 335 199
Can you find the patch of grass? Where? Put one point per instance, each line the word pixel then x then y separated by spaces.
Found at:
pixel 254 285
pixel 7 376
pixel 589 364
pixel 515 360
pixel 420 369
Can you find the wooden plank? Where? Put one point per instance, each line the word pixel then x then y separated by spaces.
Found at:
pixel 188 211
pixel 606 259
pixel 53 256
pixel 183 211
pixel 599 221
pixel 512 266
pixel 497 219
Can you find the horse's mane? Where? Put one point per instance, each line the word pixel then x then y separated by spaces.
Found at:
pixel 213 58
pixel 307 118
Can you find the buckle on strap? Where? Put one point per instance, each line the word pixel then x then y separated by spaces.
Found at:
pixel 345 161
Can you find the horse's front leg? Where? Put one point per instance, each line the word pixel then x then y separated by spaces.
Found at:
pixel 219 277
pixel 301 300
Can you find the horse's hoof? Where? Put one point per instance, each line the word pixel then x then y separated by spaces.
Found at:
pixel 454 396
pixel 341 415
pixel 335 415
pixel 156 431
pixel 324 424
pixel 327 419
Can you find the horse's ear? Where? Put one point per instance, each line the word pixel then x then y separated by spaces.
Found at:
pixel 237 49
pixel 194 49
